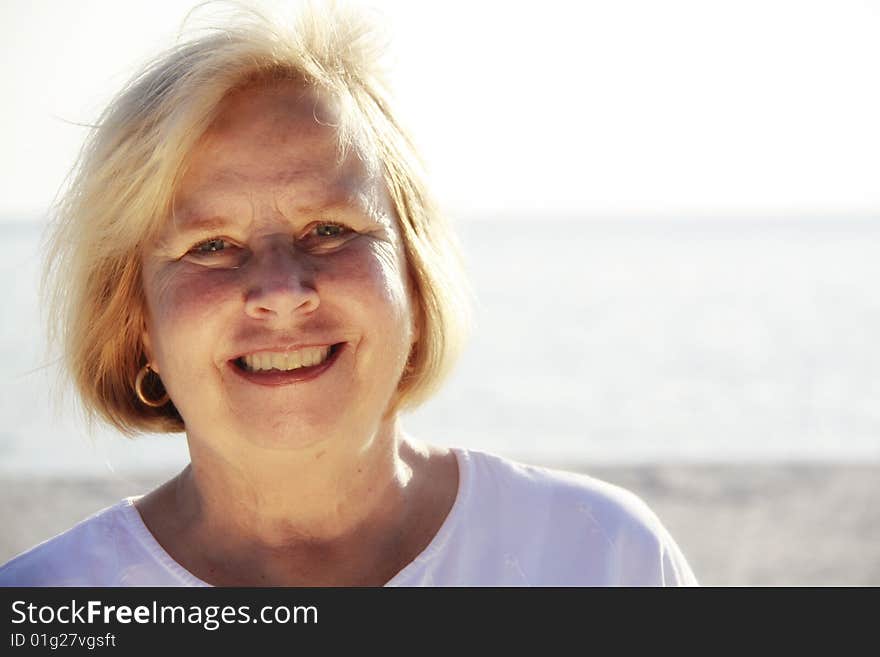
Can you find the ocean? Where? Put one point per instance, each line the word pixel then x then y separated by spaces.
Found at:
pixel 607 342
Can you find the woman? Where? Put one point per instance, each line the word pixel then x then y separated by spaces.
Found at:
pixel 249 255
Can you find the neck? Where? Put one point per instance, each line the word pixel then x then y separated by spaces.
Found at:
pixel 339 513
pixel 322 494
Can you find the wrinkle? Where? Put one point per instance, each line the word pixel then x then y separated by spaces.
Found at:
pixel 597 526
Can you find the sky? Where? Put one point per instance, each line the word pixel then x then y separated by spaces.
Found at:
pixel 589 109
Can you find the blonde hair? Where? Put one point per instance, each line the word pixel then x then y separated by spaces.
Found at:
pixel 121 191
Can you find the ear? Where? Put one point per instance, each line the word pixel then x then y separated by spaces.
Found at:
pixel 148 349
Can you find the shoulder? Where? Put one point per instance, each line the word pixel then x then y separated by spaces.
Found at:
pixel 573 517
pixel 531 488
pixel 84 555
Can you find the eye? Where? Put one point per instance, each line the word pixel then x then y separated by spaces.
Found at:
pixel 213 245
pixel 326 236
pixel 216 252
pixel 329 230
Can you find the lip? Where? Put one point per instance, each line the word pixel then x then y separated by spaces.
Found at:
pixel 278 378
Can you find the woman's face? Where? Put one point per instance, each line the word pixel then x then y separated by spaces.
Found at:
pixel 277 299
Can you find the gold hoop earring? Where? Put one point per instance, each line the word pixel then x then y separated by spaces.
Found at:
pixel 138 389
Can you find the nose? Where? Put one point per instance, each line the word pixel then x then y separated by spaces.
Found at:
pixel 280 285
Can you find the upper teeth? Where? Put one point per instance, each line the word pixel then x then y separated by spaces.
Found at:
pixel 286 360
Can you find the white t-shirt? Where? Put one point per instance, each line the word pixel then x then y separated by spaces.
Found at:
pixel 510 525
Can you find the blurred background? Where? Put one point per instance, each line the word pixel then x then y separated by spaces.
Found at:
pixel 670 216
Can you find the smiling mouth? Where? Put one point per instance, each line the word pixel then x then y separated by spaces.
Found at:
pixel 299 361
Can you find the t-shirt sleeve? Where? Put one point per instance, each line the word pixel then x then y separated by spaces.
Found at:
pixel 82 556
pixel 675 570
pixel 646 554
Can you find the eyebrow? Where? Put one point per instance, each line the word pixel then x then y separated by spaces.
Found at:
pixel 196 224
pixel 189 224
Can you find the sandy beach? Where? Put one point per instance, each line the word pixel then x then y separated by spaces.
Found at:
pixel 761 525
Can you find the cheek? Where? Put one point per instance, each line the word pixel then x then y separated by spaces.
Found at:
pixel 373 280
pixel 182 306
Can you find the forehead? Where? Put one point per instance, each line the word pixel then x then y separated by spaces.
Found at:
pixel 280 140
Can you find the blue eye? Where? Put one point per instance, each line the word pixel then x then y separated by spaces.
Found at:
pixel 330 230
pixel 216 252
pixel 211 246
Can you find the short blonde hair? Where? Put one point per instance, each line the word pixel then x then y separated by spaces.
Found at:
pixel 121 191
